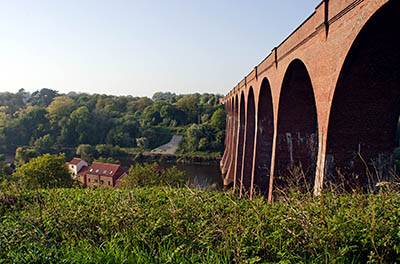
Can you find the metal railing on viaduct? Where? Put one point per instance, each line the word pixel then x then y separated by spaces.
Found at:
pixel 326 99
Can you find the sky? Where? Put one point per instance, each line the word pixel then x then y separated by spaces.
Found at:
pixel 132 47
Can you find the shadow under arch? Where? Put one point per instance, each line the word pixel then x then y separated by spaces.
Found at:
pixel 297 132
pixel 265 133
pixel 249 143
pixel 365 107
pixel 241 129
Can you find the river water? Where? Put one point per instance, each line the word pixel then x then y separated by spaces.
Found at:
pixel 201 176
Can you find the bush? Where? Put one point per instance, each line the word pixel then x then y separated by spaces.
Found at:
pixel 142 142
pixel 47 171
pixel 107 160
pixel 153 175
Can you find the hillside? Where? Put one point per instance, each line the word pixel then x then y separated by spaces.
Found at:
pixel 46 121
pixel 182 225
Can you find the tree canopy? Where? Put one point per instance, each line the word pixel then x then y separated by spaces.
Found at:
pixel 47 121
pixel 46 171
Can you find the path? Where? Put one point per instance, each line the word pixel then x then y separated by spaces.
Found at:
pixel 170 147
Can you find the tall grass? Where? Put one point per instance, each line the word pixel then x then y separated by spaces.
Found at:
pixel 182 225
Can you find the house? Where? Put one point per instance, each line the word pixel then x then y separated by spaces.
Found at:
pixel 97 174
pixel 75 165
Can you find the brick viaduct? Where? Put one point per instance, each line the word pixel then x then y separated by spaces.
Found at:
pixel 326 99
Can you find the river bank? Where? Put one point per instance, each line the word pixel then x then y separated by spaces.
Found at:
pixel 176 158
pixel 201 174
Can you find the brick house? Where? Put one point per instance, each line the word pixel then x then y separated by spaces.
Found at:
pixel 97 174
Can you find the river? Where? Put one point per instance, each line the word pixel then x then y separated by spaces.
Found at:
pixel 201 176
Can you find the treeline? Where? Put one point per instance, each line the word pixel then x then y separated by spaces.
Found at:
pixel 47 121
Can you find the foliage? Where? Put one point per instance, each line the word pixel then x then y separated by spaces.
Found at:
pixel 181 225
pixel 86 152
pixel 153 175
pixel 59 108
pixel 106 150
pixel 47 171
pixel 46 121
pixel 24 154
pixel 44 144
pixel 163 96
pixel 5 171
pixel 142 142
pixel 203 137
pixel 218 119
pixel 107 160
pixel 43 97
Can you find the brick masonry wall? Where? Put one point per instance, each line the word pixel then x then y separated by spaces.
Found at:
pixel 322 44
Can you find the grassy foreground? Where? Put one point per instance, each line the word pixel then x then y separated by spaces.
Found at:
pixel 166 225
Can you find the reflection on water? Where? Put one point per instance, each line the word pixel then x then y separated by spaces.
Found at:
pixel 202 176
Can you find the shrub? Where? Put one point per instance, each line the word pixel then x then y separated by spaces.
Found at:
pixel 47 171
pixel 153 175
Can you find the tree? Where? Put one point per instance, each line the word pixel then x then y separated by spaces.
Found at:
pixel 12 101
pixel 43 97
pixel 44 144
pixel 119 138
pixel 218 119
pixel 162 96
pixel 130 125
pixel 32 124
pixel 189 104
pixel 80 120
pixel 142 142
pixel 199 137
pixel 24 154
pixel 107 160
pixel 60 107
pixel 170 112
pixel 150 116
pixel 86 151
pixel 58 115
pixel 47 171
pixel 139 105
pixel 105 150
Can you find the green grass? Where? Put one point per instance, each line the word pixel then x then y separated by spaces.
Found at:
pixel 134 149
pixel 182 225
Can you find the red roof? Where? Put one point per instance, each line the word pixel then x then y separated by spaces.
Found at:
pixel 83 171
pixel 103 169
pixel 75 161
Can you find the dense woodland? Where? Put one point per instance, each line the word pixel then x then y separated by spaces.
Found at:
pixel 46 121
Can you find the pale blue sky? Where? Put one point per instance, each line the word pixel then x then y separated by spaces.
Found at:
pixel 140 47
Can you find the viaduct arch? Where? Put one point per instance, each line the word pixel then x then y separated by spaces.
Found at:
pixel 327 98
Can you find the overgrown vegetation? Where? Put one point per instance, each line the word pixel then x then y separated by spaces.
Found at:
pixel 46 171
pixel 153 219
pixel 182 225
pixel 150 175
